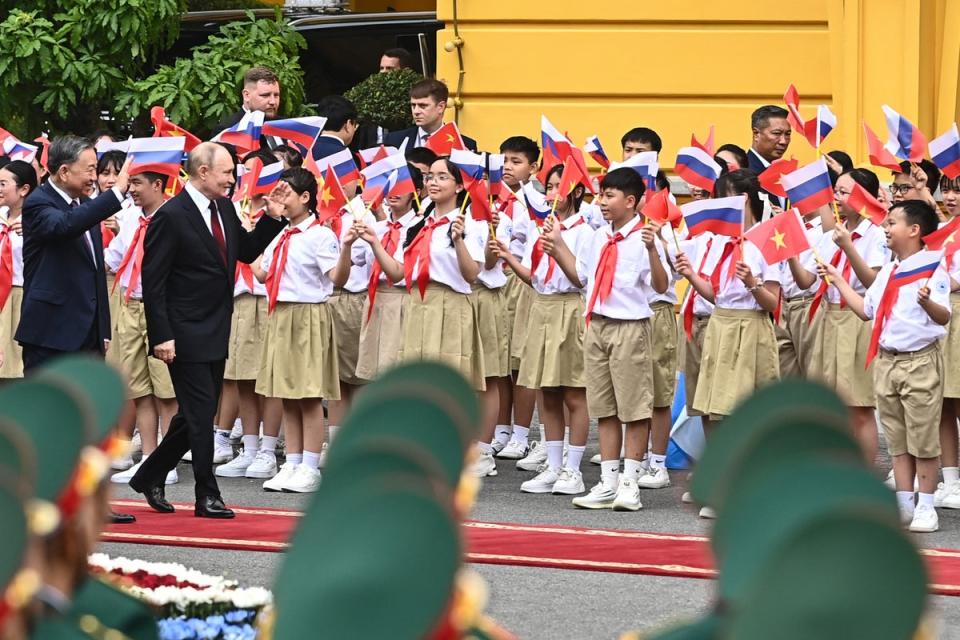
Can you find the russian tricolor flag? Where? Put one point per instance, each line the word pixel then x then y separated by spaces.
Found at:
pixel 945 152
pixel 826 121
pixel 697 167
pixel 343 165
pixel 109 145
pixel 303 131
pixel 245 135
pixel 645 163
pixel 392 172
pixel 156 155
pixel 16 149
pixel 537 205
pixel 905 141
pixel 371 155
pixel 809 187
pixel 595 150
pixel 919 266
pixel 471 164
pixel 495 173
pixel 267 180
pixel 722 216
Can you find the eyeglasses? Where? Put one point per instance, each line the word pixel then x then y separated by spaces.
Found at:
pixel 902 189
pixel 439 177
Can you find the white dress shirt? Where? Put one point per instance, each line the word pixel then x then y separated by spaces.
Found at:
pixel 311 256
pixel 630 296
pixel 577 234
pixel 872 247
pixel 732 292
pixel 444 267
pixel 203 203
pixel 909 327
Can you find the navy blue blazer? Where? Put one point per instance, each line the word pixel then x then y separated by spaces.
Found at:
pixel 64 289
pixel 756 165
pixel 327 146
pixel 396 138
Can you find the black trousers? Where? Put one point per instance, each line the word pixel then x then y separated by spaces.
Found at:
pixel 198 386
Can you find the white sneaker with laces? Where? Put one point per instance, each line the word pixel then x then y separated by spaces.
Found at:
pixel 122 464
pixel 951 497
pixel 655 478
pixel 925 519
pixel 484 466
pixel 686 498
pixel 601 496
pixel 514 451
pixel 124 476
pixel 236 433
pixel 222 455
pixel 569 483
pixel 628 496
pixel 596 460
pixel 303 480
pixel 323 456
pixel 276 483
pixel 264 465
pixel 542 482
pixel 707 513
pixel 497 446
pixel 536 456
pixel 172 477
pixel 236 468
pixel 906 515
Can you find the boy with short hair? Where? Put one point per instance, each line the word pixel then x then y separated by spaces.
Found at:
pixel 909 321
pixel 640 139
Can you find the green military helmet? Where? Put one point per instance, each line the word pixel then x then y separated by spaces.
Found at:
pixel 385 455
pixel 18 462
pixel 99 608
pixel 100 383
pixel 819 416
pixel 16 585
pixel 441 382
pixel 707 628
pixel 761 516
pixel 387 555
pixel 848 575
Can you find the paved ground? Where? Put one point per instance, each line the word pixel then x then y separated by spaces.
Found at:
pixel 535 603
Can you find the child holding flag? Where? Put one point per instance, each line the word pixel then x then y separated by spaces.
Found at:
pixel 17 180
pixel 909 303
pixel 948 495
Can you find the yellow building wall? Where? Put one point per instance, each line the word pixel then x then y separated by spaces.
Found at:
pixel 602 67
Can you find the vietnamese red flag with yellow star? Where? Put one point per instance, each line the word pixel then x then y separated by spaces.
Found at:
pixel 780 238
pixel 330 198
pixel 946 239
pixel 445 139
pixel 770 177
pixel 861 201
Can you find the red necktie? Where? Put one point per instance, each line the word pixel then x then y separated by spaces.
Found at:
pixel 389 241
pixel 6 264
pixel 134 254
pixel 822 289
pixel 277 265
pixel 715 276
pixel 217 231
pixel 606 270
pixel 884 309
pixel 244 272
pixel 537 254
pixel 107 234
pixel 688 308
pixel 419 252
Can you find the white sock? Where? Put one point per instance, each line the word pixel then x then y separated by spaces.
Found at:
pixel 520 434
pixel 222 438
pixel 295 458
pixel 566 437
pixel 632 469
pixel 905 500
pixel 251 444
pixel 925 500
pixel 331 432
pixel 645 463
pixel 502 434
pixel 543 434
pixel 269 444
pixel 951 475
pixel 485 447
pixel 657 461
pixel 574 457
pixel 555 454
pixel 311 459
pixel 610 472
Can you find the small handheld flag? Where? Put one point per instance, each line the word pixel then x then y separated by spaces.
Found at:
pixel 245 135
pixel 343 165
pixel 792 99
pixel 816 130
pixel 556 147
pixel 374 192
pixel 708 145
pixel 879 155
pixel 771 176
pixel 391 171
pixel 661 207
pixel 945 152
pixel 495 175
pixel 595 151
pixel 267 180
pixel 303 131
pixel 164 128
pixel 536 202
pixel 109 145
pixel 445 139
pixel 780 238
pixel 809 187
pixel 645 163
pixel 866 205
pixel 156 155
pixel 471 164
pixel 946 238
pixel 697 167
pixel 722 216
pixel 16 149
pixel 905 141
pixel 569 179
pixel 371 155
pixel 331 197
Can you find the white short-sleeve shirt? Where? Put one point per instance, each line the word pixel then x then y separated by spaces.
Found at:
pixel 311 255
pixel 870 243
pixel 630 296
pixel 909 327
pixel 444 267
pixel 577 234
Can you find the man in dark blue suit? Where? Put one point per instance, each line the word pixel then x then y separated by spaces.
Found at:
pixel 771 137
pixel 338 130
pixel 65 301
pixel 428 101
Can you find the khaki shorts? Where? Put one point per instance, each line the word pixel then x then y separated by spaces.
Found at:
pixel 664 354
pixel 346 309
pixel 692 353
pixel 796 337
pixel 909 388
pixel 146 375
pixel 618 368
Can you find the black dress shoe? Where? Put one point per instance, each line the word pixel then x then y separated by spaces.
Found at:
pixel 120 518
pixel 157 500
pixel 212 507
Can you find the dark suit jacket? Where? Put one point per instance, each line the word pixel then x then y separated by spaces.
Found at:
pixel 396 138
pixel 64 290
pixel 756 165
pixel 187 289
pixel 327 146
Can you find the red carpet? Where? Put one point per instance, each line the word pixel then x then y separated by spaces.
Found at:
pixel 665 554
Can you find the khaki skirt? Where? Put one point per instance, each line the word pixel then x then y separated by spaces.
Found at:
pixel 9 320
pixel 442 326
pixel 382 334
pixel 521 322
pixel 299 353
pixel 346 309
pixel 553 352
pixel 842 346
pixel 797 336
pixel 951 351
pixel 692 353
pixel 739 356
pixel 247 328
pixel 494 339
pixel 665 338
pixel 511 293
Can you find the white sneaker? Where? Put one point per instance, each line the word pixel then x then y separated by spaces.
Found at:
pixel 236 468
pixel 172 477
pixel 536 456
pixel 925 519
pixel 122 464
pixel 569 483
pixel 497 446
pixel 655 478
pixel 264 465
pixel 236 433
pixel 124 476
pixel 484 466
pixel 303 480
pixel 906 515
pixel 276 483
pixel 892 483
pixel 323 456
pixel 136 443
pixel 628 496
pixel 686 498
pixel 596 460
pixel 707 513
pixel 542 482
pixel 601 496
pixel 188 457
pixel 514 451
pixel 221 454
pixel 951 497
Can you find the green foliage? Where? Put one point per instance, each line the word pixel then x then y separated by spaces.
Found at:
pixel 200 90
pixel 62 62
pixel 384 99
